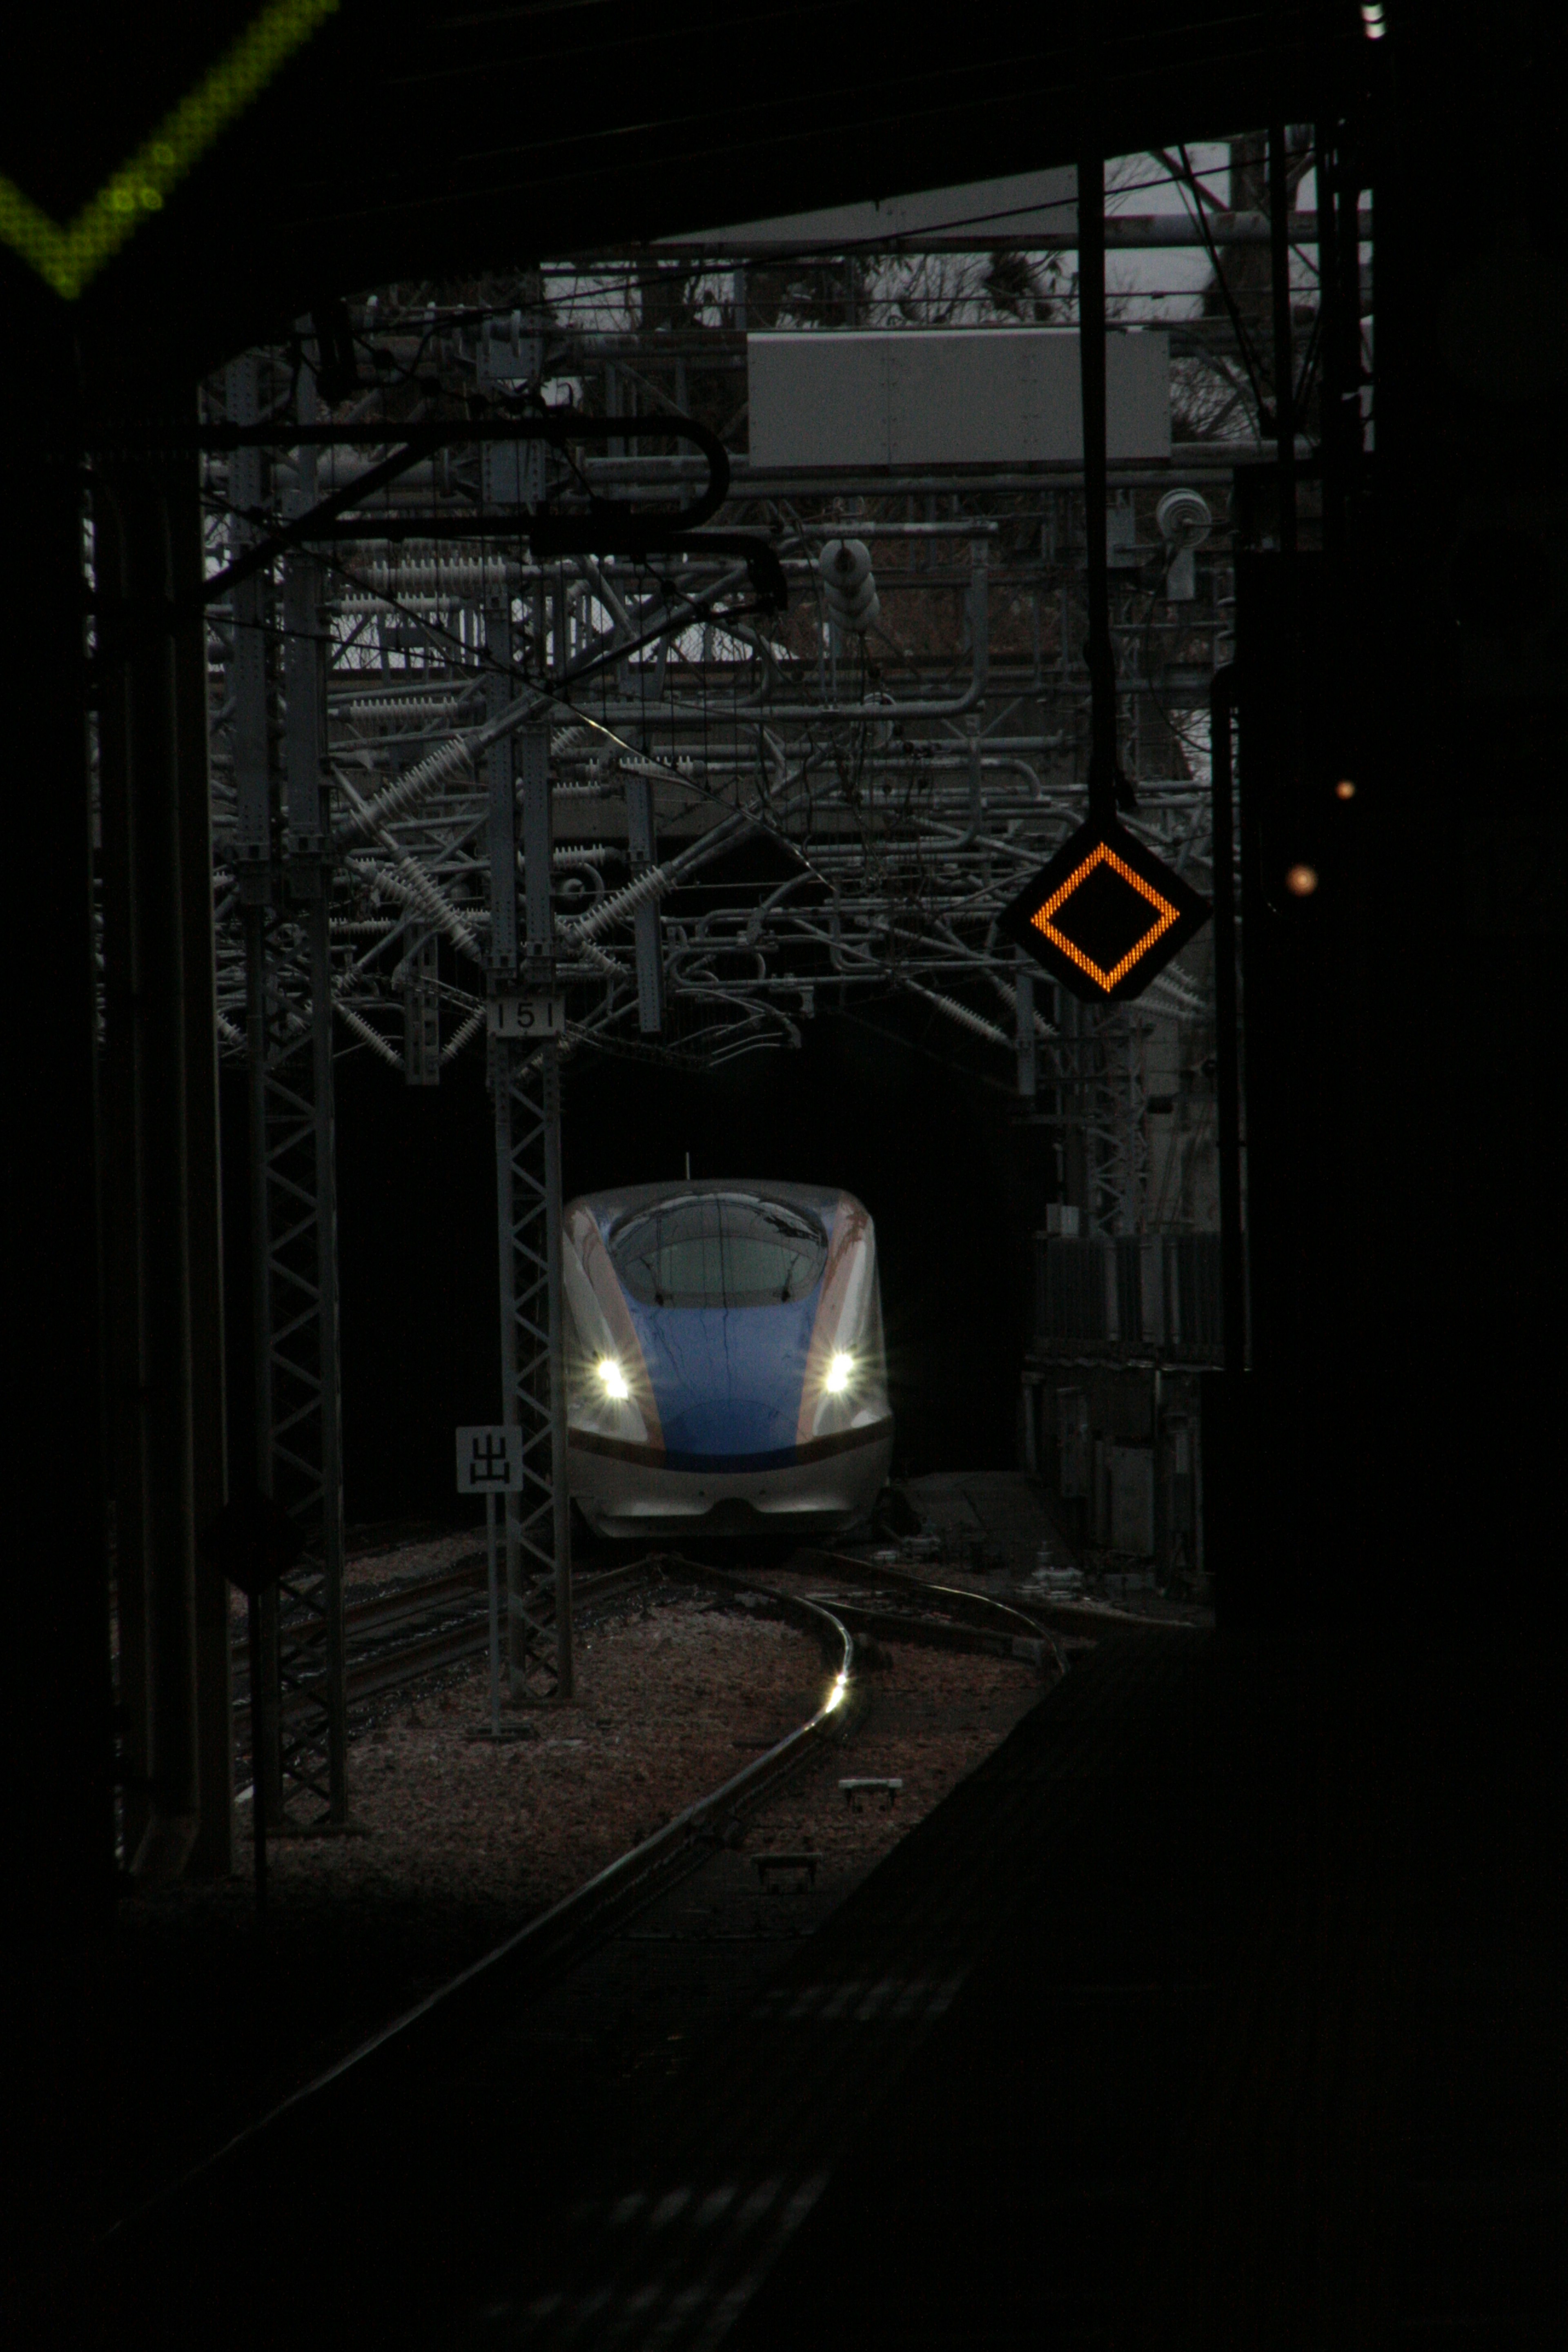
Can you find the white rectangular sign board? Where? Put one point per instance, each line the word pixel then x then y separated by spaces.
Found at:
pixel 933 397
pixel 489 1461
pixel 527 1016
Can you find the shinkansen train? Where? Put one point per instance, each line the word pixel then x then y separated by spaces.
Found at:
pixel 724 1362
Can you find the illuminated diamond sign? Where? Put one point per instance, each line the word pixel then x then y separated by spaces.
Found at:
pixel 1104 914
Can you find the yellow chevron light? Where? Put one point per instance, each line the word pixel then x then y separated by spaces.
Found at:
pixel 68 258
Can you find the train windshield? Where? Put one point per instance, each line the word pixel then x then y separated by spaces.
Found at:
pixel 724 1250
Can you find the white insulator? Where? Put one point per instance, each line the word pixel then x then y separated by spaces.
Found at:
pixel 413 706
pixel 461 1034
pixel 651 884
pixel 974 1022
pixel 367 1035
pixel 228 1033
pixel 405 881
pixel 1176 1003
pixel 1185 518
pixel 443 579
pixel 1009 995
pixel 399 798
pixel 844 563
pixel 592 952
pixel 853 603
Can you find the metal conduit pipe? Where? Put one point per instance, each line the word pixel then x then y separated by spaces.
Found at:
pixel 335 474
pixel 952 527
pixel 939 480
pixel 897 760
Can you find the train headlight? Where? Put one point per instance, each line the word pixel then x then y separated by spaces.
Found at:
pixel 839 1370
pixel 612 1379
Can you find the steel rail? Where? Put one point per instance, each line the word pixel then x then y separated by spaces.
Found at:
pixel 948 1616
pixel 550 1946
pixel 390 1666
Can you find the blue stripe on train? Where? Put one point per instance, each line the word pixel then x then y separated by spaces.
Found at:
pixel 727 1380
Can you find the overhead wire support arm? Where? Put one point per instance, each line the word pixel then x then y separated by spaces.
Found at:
pixel 610 526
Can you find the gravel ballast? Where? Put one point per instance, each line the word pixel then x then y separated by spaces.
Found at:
pixel 457 1841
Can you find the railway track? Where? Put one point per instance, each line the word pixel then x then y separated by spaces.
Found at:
pixel 428 1626
pixel 549 1947
pixel 460 2014
pixel 914 1610
pixel 1005 1629
pixel 436 1622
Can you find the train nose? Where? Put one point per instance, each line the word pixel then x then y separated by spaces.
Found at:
pixel 731 1423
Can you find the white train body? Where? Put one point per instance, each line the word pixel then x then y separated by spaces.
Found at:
pixel 725 1369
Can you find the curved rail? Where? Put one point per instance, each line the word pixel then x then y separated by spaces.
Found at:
pixel 554 1943
pixel 951 1616
pixel 458 1593
pixel 1045 1618
pixel 963 1601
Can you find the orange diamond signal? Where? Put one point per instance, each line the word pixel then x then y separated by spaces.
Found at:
pixel 1105 915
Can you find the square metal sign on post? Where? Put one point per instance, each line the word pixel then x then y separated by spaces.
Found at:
pixel 528 1017
pixel 1105 915
pixel 489 1461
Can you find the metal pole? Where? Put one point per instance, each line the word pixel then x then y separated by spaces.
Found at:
pixel 560 1496
pixel 136 521
pixel 503 1053
pixel 540 968
pixel 266 1761
pixel 1029 1053
pixel 501 786
pixel 335 1693
pixel 1102 761
pixel 253 855
pixel 1330 378
pixel 213 1853
pixel 495 1614
pixel 258 1814
pixel 1227 1063
pixel 310 881
pixel 1284 364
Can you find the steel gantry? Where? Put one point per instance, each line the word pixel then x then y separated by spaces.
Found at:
pixel 525 1085
pixel 478 789
pixel 280 899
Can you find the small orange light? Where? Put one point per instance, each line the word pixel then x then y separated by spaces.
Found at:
pixel 1344 790
pixel 1301 881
